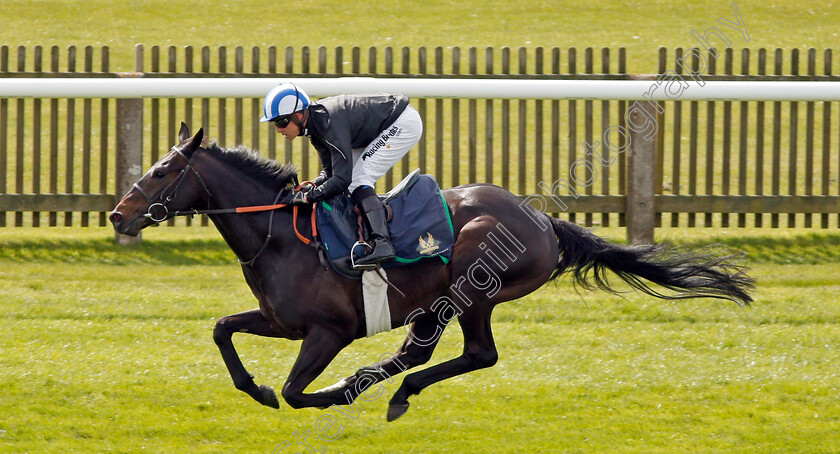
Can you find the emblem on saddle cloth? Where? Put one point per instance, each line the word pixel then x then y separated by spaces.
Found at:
pixel 420 229
pixel 427 245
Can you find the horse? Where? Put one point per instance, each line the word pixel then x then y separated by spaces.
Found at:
pixel 504 249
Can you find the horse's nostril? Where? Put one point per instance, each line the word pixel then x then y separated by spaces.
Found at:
pixel 115 217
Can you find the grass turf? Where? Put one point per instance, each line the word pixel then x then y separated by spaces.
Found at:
pixel 110 349
pixel 640 26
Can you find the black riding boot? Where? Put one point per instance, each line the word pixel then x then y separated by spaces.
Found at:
pixel 377 219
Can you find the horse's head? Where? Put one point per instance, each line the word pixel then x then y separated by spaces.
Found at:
pixel 171 184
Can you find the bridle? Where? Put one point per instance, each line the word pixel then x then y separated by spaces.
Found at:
pixel 159 202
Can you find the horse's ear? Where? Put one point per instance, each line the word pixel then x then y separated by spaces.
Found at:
pixel 184 133
pixel 194 143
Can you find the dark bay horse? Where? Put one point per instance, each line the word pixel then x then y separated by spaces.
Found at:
pixel 504 250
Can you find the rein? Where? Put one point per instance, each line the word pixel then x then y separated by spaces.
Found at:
pixel 256 209
pixel 166 214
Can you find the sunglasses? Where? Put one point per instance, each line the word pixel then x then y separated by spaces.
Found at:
pixel 282 121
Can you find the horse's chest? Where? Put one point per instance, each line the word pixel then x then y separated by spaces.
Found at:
pixel 272 307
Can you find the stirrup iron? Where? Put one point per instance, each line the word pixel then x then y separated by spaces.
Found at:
pixel 372 266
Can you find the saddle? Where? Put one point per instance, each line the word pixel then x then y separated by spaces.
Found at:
pixel 419 225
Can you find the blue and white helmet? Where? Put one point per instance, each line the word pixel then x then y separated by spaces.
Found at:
pixel 284 99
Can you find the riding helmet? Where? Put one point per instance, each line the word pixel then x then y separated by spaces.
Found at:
pixel 284 99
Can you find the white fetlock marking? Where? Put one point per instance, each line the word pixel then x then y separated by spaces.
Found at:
pixel 337 386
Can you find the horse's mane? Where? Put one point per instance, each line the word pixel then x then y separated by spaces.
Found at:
pixel 267 171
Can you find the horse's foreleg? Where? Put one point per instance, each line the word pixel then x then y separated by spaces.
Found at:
pixel 251 322
pixel 416 350
pixel 318 349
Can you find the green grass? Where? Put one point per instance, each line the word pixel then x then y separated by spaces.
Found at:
pixel 640 26
pixel 109 349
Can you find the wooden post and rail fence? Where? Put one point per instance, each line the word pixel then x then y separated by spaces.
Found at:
pixel 694 158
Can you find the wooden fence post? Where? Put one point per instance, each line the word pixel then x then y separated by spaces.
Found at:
pixel 641 171
pixel 129 162
pixel 129 166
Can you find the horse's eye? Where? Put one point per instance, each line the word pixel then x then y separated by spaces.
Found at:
pixel 158 174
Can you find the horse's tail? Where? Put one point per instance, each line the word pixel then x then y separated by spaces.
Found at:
pixel 588 257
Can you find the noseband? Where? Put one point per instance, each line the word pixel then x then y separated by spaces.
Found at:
pixel 159 202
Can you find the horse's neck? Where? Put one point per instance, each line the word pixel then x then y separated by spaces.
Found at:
pixel 244 233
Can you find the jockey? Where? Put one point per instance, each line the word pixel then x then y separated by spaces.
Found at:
pixel 358 138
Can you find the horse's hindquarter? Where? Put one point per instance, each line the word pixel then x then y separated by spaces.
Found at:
pixel 503 248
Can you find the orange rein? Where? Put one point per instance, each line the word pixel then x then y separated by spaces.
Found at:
pixel 302 238
pixel 258 208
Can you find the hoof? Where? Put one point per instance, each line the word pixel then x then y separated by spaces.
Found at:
pixel 395 411
pixel 269 397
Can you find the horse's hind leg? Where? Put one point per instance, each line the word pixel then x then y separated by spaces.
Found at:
pixel 251 322
pixel 479 352
pixel 416 350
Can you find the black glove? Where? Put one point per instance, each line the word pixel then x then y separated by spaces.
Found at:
pixel 295 198
pixel 321 178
